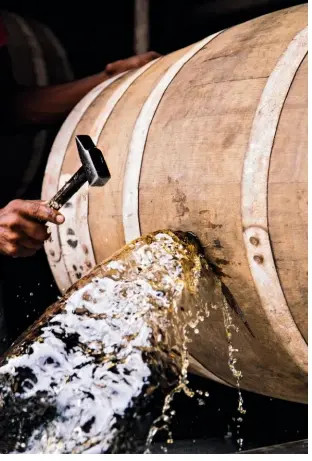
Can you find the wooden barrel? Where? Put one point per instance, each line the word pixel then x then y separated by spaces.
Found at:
pixel 210 139
pixel 37 59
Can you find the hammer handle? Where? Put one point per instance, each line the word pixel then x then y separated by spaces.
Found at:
pixel 68 190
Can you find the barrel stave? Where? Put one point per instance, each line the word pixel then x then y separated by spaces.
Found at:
pixel 196 141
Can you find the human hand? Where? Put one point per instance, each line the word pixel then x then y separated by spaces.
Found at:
pixel 22 226
pixel 134 62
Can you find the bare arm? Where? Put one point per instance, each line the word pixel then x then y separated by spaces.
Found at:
pixel 22 228
pixel 45 106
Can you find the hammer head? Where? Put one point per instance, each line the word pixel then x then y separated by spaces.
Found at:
pixel 92 160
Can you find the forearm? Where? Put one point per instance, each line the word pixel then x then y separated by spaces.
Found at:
pixel 46 106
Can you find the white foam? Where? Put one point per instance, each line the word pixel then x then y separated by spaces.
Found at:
pixel 92 392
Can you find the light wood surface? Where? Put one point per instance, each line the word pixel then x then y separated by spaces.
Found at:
pixel 191 179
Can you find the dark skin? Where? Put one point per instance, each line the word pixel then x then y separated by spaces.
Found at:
pixel 49 105
pixel 22 222
pixel 22 228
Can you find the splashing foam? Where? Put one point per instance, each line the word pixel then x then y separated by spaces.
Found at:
pixel 84 373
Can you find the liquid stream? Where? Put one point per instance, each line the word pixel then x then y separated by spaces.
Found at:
pixel 87 376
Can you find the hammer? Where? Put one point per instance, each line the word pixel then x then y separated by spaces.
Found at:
pixel 93 169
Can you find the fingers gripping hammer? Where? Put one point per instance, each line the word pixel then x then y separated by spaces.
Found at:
pixel 93 169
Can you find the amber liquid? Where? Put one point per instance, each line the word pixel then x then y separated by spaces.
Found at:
pixel 85 377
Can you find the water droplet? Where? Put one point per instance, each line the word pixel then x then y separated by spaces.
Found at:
pixel 228 435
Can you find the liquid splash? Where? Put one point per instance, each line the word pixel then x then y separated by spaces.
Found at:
pixel 84 378
pixel 190 325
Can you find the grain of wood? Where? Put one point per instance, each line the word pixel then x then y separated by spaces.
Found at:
pixel 191 178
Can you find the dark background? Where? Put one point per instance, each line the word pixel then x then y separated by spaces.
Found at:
pixel 94 34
